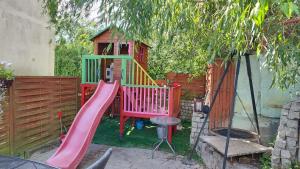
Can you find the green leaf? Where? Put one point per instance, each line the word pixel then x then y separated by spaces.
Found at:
pixel 259 12
pixel 288 8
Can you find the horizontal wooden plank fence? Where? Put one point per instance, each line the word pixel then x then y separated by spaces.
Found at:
pixel 191 87
pixel 30 117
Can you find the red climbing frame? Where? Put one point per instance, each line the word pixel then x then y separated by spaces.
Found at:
pixel 147 102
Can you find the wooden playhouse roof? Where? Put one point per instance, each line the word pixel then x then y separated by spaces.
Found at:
pixel 100 32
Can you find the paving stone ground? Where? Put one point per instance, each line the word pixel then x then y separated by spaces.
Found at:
pixel 125 158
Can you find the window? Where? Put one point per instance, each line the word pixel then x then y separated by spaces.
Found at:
pixel 105 48
pixel 123 49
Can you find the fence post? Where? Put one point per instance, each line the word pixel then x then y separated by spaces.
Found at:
pixel 171 101
pixel 83 70
pixel 171 110
pixel 11 118
pixel 77 81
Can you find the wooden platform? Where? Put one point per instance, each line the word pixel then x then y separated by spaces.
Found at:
pixel 237 147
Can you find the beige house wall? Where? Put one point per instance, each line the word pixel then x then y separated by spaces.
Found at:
pixel 25 38
pixel 269 101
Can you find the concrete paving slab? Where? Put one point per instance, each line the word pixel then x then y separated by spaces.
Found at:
pixel 125 158
pixel 237 147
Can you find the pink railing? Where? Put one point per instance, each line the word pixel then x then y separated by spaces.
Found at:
pixel 146 100
pixel 140 101
pixel 150 100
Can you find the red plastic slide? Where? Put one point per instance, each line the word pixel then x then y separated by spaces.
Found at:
pixel 71 151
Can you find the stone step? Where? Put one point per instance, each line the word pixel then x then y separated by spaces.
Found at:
pixel 237 147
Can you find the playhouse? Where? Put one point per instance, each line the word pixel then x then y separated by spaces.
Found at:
pixel 116 59
pixel 107 42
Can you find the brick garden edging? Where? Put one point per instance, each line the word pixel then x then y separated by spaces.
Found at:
pixel 287 141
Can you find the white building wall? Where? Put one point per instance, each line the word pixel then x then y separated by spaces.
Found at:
pixel 269 100
pixel 25 38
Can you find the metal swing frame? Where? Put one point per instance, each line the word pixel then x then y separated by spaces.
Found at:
pixel 227 65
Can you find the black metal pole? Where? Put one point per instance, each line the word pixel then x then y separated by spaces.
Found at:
pixel 211 106
pixel 252 94
pixel 231 111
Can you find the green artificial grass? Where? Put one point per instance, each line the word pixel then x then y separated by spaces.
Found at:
pixel 108 134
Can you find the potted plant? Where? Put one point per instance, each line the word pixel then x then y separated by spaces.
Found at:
pixel 6 74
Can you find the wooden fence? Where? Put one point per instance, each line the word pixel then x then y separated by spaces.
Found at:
pixel 219 114
pixel 30 117
pixel 191 87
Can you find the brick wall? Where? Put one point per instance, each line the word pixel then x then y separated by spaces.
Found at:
pixel 286 148
pixel 186 109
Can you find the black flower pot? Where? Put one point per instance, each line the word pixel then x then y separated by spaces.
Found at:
pixel 4 83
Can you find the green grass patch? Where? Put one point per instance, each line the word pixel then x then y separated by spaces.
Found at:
pixel 108 134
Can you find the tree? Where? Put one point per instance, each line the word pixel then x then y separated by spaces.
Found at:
pixel 269 28
pixel 70 48
pixel 183 55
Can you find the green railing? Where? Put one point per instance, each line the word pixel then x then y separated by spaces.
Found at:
pixel 132 73
pixel 91 67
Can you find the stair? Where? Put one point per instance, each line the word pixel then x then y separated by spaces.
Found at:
pixel 237 147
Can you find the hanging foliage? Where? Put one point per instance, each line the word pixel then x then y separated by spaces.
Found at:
pixel 267 28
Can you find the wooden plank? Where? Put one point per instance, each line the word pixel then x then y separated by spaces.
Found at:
pixel 39 132
pixel 3 137
pixel 20 107
pixel 33 119
pixel 28 93
pixel 29 126
pixel 32 87
pixel 26 100
pixel 22 146
pixel 32 111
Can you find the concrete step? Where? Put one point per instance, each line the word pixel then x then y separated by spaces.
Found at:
pixel 237 147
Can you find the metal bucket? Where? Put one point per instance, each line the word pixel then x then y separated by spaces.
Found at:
pixel 161 132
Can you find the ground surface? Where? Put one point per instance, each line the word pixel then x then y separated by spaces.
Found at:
pixel 125 158
pixel 108 134
pixel 134 150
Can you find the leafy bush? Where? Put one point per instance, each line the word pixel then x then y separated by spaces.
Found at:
pixel 5 70
pixel 295 165
pixel 265 161
pixel 70 49
pixel 67 60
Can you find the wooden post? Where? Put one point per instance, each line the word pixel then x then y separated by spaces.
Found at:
pixel 170 114
pixel 82 94
pixel 83 70
pixel 77 90
pixel 122 118
pixel 11 123
pixel 123 71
